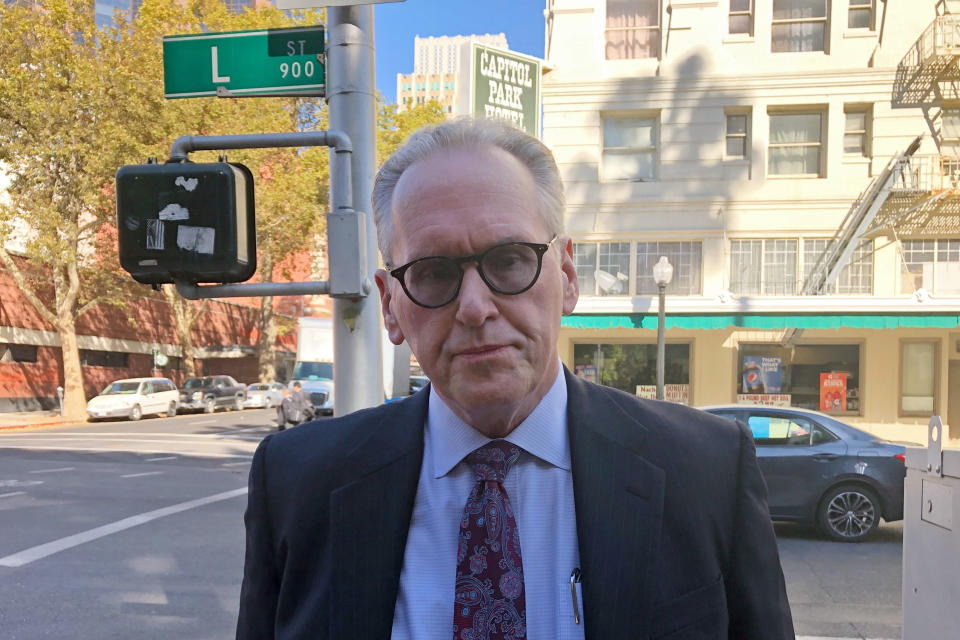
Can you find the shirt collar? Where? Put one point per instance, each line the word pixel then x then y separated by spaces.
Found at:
pixel 543 433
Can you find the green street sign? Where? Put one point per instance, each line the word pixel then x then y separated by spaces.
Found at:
pixel 264 62
pixel 505 85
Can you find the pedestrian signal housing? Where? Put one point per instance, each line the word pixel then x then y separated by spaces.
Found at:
pixel 187 222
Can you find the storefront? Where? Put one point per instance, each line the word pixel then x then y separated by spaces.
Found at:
pixel 884 372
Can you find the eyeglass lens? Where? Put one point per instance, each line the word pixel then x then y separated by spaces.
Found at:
pixel 507 268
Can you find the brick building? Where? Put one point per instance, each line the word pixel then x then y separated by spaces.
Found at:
pixel 120 343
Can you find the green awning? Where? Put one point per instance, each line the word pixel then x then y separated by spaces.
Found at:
pixel 764 321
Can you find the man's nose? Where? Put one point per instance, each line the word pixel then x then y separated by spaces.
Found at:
pixel 475 304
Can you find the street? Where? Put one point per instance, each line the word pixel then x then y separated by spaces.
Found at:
pixel 134 530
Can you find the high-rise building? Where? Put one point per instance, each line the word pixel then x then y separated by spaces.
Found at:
pixel 105 8
pixel 438 70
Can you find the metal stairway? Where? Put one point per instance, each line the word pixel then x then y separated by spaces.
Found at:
pixel 857 221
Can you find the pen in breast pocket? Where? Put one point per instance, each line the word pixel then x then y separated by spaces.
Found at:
pixel 574 581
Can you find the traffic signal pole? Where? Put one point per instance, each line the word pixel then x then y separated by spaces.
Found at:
pixel 357 348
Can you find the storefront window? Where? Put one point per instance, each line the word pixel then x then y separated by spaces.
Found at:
pixel 918 382
pixel 633 368
pixel 820 377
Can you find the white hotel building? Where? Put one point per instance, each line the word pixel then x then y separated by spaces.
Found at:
pixel 766 147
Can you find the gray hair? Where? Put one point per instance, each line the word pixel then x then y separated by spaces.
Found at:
pixel 470 133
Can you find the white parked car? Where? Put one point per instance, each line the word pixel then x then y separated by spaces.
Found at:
pixel 135 397
pixel 264 395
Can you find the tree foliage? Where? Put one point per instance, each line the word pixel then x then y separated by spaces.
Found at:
pixel 78 101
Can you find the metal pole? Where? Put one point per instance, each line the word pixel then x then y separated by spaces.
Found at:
pixel 340 164
pixel 661 347
pixel 357 357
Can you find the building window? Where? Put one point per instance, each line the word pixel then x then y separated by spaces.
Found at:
pixel 686 258
pixel 860 14
pixel 18 353
pixel 629 149
pixel 799 25
pixel 90 358
pixel 950 129
pixel 820 377
pixel 933 265
pixel 796 144
pixel 603 269
pixel 856 128
pixel 918 378
pixel 633 368
pixel 737 137
pixel 741 17
pixel 856 277
pixel 767 267
pixel 633 29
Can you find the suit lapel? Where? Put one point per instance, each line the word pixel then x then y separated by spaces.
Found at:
pixel 370 518
pixel 619 502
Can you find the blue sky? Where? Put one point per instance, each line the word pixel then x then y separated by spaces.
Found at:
pixel 396 24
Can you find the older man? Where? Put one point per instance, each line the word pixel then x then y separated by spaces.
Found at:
pixel 509 499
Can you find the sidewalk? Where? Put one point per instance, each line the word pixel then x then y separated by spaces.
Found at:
pixel 13 420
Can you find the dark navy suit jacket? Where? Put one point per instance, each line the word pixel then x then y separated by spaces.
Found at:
pixel 674 534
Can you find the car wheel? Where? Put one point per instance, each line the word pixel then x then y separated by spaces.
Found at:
pixel 135 412
pixel 209 406
pixel 849 513
pixel 172 410
pixel 238 403
pixel 268 404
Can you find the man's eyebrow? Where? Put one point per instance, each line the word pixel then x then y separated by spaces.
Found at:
pixel 441 254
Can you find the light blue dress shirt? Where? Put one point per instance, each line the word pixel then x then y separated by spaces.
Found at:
pixel 540 486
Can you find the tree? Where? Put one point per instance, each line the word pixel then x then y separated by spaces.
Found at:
pixel 394 127
pixel 61 146
pixel 185 316
pixel 289 183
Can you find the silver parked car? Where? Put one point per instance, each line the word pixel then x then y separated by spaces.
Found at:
pixel 264 395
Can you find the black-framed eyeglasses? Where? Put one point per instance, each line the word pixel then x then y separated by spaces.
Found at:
pixel 509 268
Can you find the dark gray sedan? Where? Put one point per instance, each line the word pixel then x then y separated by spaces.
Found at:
pixel 822 471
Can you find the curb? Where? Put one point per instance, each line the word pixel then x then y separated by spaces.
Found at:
pixel 30 425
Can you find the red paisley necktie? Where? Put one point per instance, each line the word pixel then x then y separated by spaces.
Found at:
pixel 489 600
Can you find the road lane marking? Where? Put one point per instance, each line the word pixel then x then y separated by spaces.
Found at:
pixel 52 470
pixel 160 458
pixel 19 483
pixel 11 494
pixel 198 422
pixel 234 464
pixel 140 475
pixel 38 552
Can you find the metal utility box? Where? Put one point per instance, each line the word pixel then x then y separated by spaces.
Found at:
pixel 931 540
pixel 186 221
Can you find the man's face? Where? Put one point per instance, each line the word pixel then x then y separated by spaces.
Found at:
pixel 490 356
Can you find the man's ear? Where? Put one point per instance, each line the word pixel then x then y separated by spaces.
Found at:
pixel 386 301
pixel 568 270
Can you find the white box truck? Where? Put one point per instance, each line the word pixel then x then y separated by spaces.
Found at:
pixel 314 365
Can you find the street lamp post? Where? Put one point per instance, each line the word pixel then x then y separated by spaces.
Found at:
pixel 662 275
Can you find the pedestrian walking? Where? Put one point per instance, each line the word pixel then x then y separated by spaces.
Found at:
pixel 295 408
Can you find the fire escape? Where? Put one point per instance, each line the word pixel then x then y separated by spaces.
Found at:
pixel 915 195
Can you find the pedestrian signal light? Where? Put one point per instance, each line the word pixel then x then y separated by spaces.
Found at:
pixel 185 221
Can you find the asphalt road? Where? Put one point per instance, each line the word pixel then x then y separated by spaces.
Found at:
pixel 134 530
